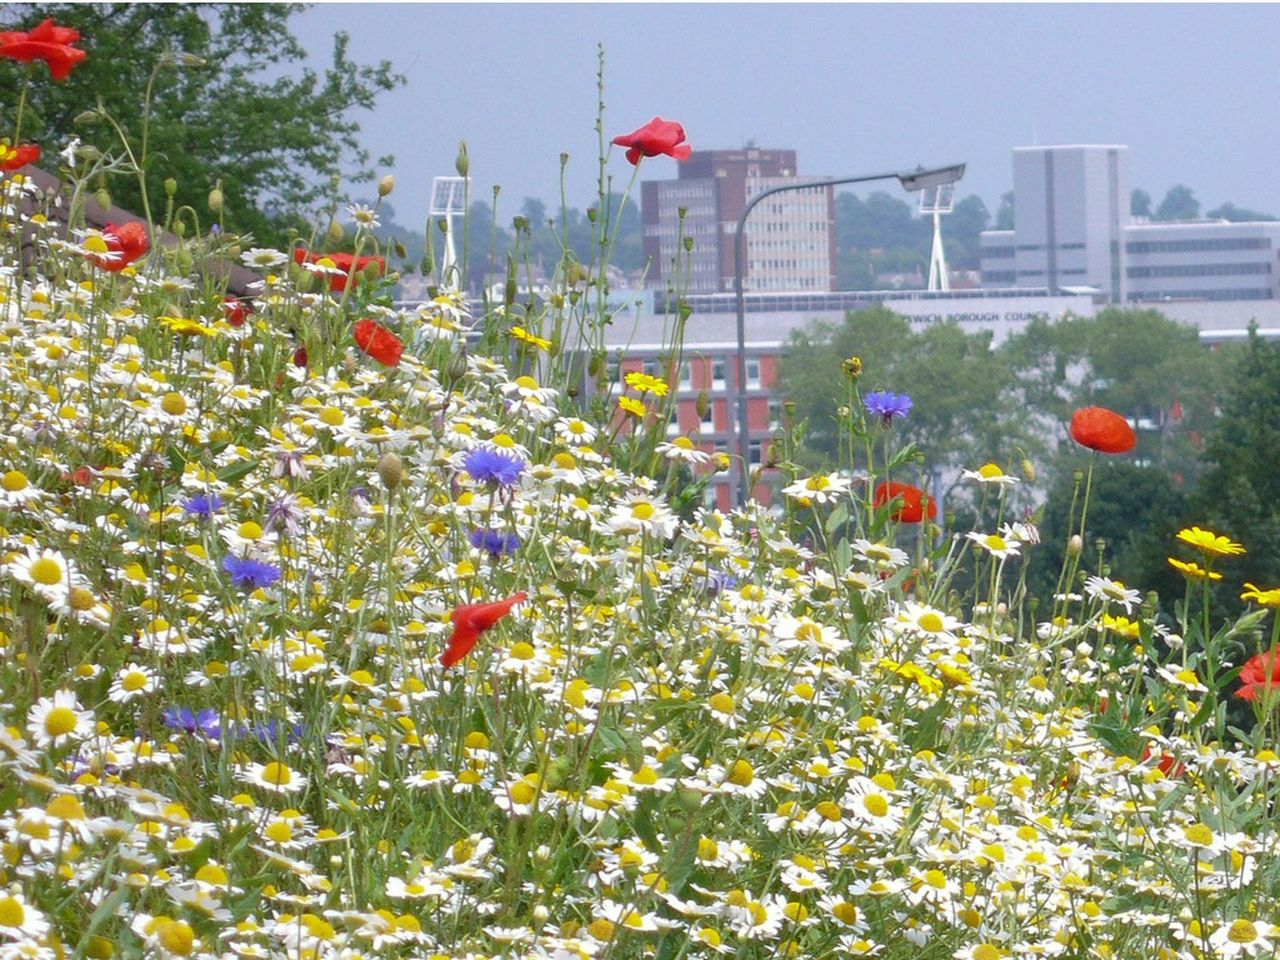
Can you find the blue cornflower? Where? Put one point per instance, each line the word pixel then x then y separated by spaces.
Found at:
pixel 718 582
pixel 492 466
pixel 250 574
pixel 495 541
pixel 887 405
pixel 205 505
pixel 189 721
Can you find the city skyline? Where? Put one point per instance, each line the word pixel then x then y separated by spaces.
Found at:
pixel 852 89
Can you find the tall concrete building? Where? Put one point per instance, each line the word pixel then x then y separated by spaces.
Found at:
pixel 790 238
pixel 1071 205
pixel 1072 231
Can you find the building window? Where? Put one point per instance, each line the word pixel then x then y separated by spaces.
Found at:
pixel 717 374
pixel 753 373
pixel 755 452
pixel 708 423
pixel 686 376
pixel 775 414
pixel 614 371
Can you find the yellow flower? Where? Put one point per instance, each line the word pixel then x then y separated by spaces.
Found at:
pixel 1193 571
pixel 186 327
pixel 1122 625
pixel 1263 598
pixel 520 333
pixel 632 406
pixel 1209 543
pixel 646 384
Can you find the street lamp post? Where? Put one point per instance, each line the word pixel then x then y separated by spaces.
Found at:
pixel 911 180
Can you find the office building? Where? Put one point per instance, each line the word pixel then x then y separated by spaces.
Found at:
pixel 790 237
pixel 1073 232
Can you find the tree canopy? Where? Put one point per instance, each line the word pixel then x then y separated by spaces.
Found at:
pixel 206 93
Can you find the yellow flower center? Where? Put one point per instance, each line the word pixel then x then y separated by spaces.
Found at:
pixel 249 530
pixel 642 511
pixel 708 849
pixel 522 651
pixel 527 382
pixel 930 622
pixel 13 481
pixel 829 811
pixel 845 912
pixel 990 471
pixel 82 599
pixel 996 542
pixel 1242 931
pixel 522 793
pixel 721 703
pixel 176 936
pixel 741 774
pixel 11 912
pixel 277 774
pixel 174 404
pixel 133 681
pixel 875 804
pixel 46 571
pixel 60 721
pixel 279 832
pixel 1199 833
pixel 818 481
pixel 601 929
pixel 684 443
pixel 986 951
pixel 936 879
pixel 332 416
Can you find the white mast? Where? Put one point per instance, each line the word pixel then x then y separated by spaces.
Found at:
pixel 448 200
pixel 937 201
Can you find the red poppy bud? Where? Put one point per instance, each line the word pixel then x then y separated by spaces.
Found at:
pixel 1103 430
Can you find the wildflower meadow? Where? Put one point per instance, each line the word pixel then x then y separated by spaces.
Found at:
pixel 336 629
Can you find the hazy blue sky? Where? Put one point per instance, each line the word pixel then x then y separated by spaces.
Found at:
pixel 853 89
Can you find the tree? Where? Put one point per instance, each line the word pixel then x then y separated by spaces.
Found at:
pixel 222 107
pixel 962 414
pixel 1004 214
pixel 1140 203
pixel 1239 495
pixel 961 230
pixel 1179 203
pixel 1229 211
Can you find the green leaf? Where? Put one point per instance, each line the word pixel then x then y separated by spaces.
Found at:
pixel 838 516
pixel 236 471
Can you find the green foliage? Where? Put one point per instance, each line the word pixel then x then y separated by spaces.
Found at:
pixel 1139 203
pixel 963 412
pixel 276 136
pixel 1229 211
pixel 1179 203
pixel 1135 511
pixel 1239 495
pixel 1004 213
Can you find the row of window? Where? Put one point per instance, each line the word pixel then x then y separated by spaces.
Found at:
pixel 684 381
pixel 1241 293
pixel 1200 270
pixel 1198 246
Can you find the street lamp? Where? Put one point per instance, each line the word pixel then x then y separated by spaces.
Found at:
pixel 911 180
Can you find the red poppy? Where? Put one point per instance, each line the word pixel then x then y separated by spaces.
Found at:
pixel 655 138
pixel 913 502
pixel 1259 675
pixel 126 243
pixel 236 310
pixel 379 342
pixel 11 158
pixel 470 621
pixel 1168 764
pixel 47 42
pixel 1103 430
pixel 350 265
pixel 300 357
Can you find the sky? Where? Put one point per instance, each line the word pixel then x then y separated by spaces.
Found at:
pixel 852 88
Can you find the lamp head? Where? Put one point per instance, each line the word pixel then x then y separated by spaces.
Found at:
pixel 920 178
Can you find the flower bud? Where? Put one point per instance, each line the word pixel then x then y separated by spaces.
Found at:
pixel 386 185
pixel 103 198
pixel 215 200
pixel 86 118
pixel 1028 471
pixel 334 231
pixel 170 186
pixel 457 368
pixel 689 800
pixel 703 404
pixel 1075 546
pixel 688 244
pixel 179 228
pixel 391 471
pixel 852 367
pixel 463 163
pixel 398 249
